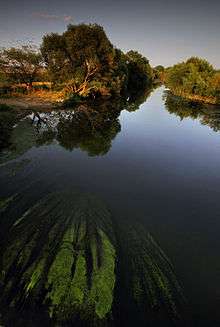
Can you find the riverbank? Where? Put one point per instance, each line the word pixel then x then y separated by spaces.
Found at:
pixel 17 106
pixel 197 98
pixel 42 100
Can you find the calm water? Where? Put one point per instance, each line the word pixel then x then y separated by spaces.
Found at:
pixel 160 171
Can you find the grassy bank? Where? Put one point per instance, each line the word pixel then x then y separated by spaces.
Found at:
pixel 197 98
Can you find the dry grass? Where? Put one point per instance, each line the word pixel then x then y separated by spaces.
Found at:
pixel 45 95
pixel 36 99
pixel 198 98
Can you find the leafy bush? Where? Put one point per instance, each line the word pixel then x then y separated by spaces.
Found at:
pixel 194 77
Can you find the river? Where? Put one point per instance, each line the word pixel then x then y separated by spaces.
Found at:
pixel 157 166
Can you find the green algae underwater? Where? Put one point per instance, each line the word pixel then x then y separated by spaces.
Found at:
pixel 67 262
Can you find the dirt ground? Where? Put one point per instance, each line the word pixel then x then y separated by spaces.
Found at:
pixel 34 101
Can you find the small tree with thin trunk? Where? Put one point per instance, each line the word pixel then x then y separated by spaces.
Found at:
pixel 21 65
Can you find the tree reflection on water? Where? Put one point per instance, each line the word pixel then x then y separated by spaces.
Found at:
pixel 90 126
pixel 208 115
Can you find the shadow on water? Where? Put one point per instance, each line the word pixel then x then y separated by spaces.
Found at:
pixel 66 261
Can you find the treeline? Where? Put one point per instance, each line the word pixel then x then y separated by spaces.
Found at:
pixel 195 79
pixel 81 61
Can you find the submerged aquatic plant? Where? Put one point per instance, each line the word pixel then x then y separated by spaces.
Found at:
pixel 64 249
pixel 150 275
pixel 5 202
pixel 65 254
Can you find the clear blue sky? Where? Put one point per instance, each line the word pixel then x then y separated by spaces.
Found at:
pixel 166 32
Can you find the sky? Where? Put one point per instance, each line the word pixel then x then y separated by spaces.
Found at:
pixel 165 31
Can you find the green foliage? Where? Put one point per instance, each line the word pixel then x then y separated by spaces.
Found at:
pixel 79 282
pixel 150 280
pixel 21 65
pixel 159 68
pixel 85 62
pixel 67 254
pixel 103 278
pixel 81 61
pixel 140 71
pixel 4 202
pixel 59 279
pixel 60 257
pixel 35 276
pixel 82 58
pixel 196 78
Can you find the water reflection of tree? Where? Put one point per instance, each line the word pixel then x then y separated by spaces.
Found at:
pixel 95 124
pixel 138 97
pixel 7 121
pixel 207 114
pixel 66 261
pixel 23 137
pixel 90 127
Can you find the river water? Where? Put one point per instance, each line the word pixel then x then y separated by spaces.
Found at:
pixel 158 166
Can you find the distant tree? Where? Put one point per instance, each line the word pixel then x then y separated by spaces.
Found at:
pixel 159 73
pixel 159 68
pixel 201 65
pixel 21 65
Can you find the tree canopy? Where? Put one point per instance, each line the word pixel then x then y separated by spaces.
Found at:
pixel 80 62
pixel 194 77
pixel 140 71
pixel 20 65
pixel 84 60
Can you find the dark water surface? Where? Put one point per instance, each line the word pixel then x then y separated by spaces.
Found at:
pixel 160 171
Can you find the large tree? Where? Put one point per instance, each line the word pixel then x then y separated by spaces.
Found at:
pixel 21 65
pixel 84 60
